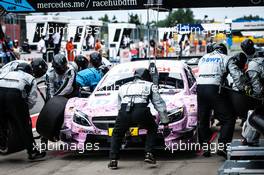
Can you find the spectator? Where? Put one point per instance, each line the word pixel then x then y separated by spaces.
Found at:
pixel 133 51
pixel 9 43
pixel 42 47
pixel 200 45
pixel 26 47
pixel 16 49
pixel 56 41
pixel 90 42
pixel 195 43
pixel 125 41
pixel 50 48
pixel 87 42
pixel 141 46
pixel 102 44
pixel 2 51
pixel 152 44
pixel 203 45
pixel 9 48
pixel 70 50
pixel 98 45
pixel 186 51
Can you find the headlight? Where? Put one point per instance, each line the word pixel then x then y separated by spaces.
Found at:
pixel 175 115
pixel 81 118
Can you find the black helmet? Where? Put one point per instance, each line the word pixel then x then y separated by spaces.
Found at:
pixel 81 61
pixel 240 60
pixel 221 48
pixel 143 74
pixel 248 47
pixel 39 67
pixel 59 63
pixel 96 59
pixel 210 47
pixel 25 67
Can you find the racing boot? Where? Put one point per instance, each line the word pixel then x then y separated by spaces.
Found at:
pixel 113 164
pixel 3 148
pixel 149 158
pixel 3 144
pixel 36 154
pixel 252 143
pixel 222 153
pixel 207 153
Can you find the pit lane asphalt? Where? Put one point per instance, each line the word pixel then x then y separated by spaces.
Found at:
pixel 61 163
pixel 95 163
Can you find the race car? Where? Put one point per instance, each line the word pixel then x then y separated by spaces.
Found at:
pixel 91 120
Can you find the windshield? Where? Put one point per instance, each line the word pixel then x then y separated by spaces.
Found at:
pixel 171 81
pixel 166 81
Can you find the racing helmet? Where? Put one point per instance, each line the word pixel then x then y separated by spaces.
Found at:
pixel 39 67
pixel 25 67
pixel 221 48
pixel 59 64
pixel 248 47
pixel 241 60
pixel 81 61
pixel 210 47
pixel 96 59
pixel 142 73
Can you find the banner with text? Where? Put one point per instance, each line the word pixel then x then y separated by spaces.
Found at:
pixel 99 5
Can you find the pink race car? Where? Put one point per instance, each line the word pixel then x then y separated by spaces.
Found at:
pixel 91 120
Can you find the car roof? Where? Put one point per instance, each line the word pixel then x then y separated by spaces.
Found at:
pixel 175 66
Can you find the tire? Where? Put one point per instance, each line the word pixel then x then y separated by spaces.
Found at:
pixel 51 118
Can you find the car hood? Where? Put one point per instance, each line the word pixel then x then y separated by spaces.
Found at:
pixel 106 103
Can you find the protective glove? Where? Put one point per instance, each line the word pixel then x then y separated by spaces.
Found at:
pixel 247 90
pixel 166 131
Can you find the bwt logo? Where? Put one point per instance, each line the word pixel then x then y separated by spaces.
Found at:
pixel 257 2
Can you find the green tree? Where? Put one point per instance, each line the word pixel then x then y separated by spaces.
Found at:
pixel 180 16
pixel 134 19
pixel 114 19
pixel 250 17
pixel 88 17
pixel 105 18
